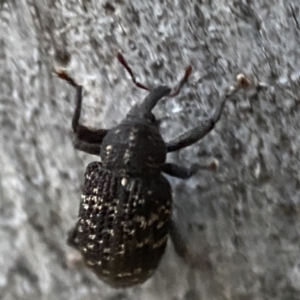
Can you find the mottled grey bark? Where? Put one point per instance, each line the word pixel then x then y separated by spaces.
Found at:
pixel 244 218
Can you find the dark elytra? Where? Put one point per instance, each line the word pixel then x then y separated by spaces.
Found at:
pixel 125 213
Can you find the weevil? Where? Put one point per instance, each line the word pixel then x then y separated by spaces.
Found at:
pixel 125 213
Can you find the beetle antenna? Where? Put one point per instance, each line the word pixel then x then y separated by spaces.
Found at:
pixel 175 91
pixel 122 60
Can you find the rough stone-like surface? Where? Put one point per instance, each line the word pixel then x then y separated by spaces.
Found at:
pixel 244 218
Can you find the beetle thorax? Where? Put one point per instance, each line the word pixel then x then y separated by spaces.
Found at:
pixel 134 148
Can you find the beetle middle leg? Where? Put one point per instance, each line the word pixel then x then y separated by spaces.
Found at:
pixel 184 173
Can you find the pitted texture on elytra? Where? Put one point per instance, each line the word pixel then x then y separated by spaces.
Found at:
pixel 123 225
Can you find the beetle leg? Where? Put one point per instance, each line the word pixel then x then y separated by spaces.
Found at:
pixel 178 171
pixel 192 136
pixel 73 258
pixel 195 260
pixel 184 173
pixel 177 240
pixel 83 133
pixel 71 239
pixel 86 147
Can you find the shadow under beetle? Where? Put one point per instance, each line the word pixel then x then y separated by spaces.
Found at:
pixel 125 213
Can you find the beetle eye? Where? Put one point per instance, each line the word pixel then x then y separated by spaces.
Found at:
pixel 150 118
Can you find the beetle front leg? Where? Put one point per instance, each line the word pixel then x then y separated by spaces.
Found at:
pixel 192 136
pixel 83 133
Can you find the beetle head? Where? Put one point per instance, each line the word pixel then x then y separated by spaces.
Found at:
pixel 143 111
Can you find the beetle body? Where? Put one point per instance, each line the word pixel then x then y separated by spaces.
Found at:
pixel 125 213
